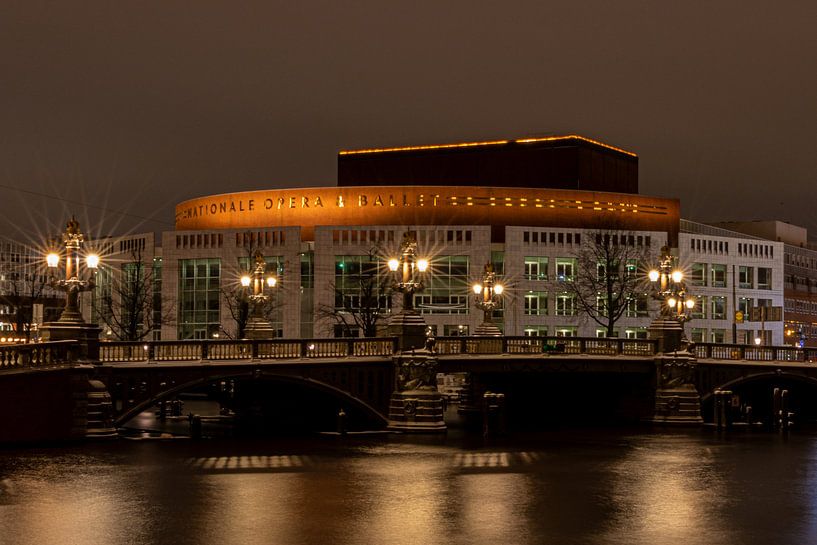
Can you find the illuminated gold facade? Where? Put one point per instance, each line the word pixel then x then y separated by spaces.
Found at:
pixel 427 205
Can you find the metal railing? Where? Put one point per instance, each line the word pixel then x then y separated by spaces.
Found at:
pixel 38 355
pixel 236 350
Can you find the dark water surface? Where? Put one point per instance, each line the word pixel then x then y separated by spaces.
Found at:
pixel 588 486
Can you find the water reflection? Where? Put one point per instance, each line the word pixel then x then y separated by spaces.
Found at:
pixel 666 490
pixel 578 487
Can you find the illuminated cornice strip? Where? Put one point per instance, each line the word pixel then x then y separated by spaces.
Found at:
pixel 416 148
pixel 576 137
pixel 488 143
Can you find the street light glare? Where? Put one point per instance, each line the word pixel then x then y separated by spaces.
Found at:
pixel 393 264
pixel 653 274
pixel 53 259
pixel 671 302
pixel 677 276
pixel 422 265
pixel 498 289
pixel 271 281
pixel 92 260
pixel 477 288
pixel 690 303
pixel 245 281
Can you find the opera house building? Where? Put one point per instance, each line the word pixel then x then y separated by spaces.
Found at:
pixel 525 206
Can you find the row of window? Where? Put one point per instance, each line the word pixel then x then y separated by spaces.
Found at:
pixel 709 246
pixel 536 268
pixel 756 250
pixel 546 237
pixel 423 236
pixel 800 260
pixel 132 245
pixel 200 240
pixel 715 275
pixel 801 306
pixel 718 335
pixel 572 331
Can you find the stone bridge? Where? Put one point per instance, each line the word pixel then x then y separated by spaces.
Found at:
pixel 51 393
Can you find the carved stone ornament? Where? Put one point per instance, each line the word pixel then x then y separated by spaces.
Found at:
pixel 674 373
pixel 417 374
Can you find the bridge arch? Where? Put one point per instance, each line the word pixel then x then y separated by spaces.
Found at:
pixel 168 393
pixel 770 376
pixel 755 394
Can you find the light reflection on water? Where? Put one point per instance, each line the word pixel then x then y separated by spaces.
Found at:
pixel 573 487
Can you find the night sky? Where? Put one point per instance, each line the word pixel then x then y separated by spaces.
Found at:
pixel 126 108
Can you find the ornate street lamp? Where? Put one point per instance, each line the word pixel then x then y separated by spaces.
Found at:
pixel 487 295
pixel 669 287
pixel 258 327
pixel 408 268
pixel 76 281
pixel 676 303
pixel 408 325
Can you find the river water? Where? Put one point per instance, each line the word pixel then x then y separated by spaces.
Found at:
pixel 578 486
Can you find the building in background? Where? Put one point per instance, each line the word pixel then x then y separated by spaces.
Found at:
pixel 26 297
pixel 799 276
pixel 738 282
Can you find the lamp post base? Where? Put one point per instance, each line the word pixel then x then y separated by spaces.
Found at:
pixel 487 329
pixel 410 329
pixel 259 329
pixel 87 335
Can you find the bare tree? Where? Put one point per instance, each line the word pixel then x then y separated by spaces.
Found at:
pixel 128 300
pixel 605 281
pixel 23 284
pixel 362 296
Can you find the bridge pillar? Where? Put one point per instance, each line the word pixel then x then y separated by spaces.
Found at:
pixel 416 406
pixel 676 399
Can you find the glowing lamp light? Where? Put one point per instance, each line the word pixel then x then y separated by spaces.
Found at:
pixel 653 274
pixel 52 259
pixel 690 303
pixel 498 289
pixel 477 288
pixel 245 281
pixel 92 261
pixel 422 265
pixel 757 341
pixel 671 302
pixel 677 276
pixel 393 264
pixel 271 281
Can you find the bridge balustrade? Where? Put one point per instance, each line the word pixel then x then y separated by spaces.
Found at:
pixel 538 345
pixel 196 350
pixel 754 353
pixel 124 351
pixel 37 355
pixel 279 349
pixel 232 350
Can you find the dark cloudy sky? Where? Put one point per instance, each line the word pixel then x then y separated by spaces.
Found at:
pixel 134 106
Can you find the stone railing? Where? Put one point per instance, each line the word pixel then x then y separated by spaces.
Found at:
pixel 539 345
pixel 236 350
pixel 38 355
pixel 754 353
